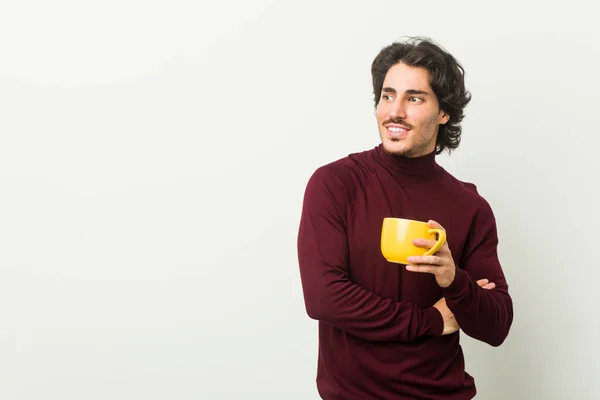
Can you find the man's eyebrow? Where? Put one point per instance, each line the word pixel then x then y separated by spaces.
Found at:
pixel 388 89
pixel 414 91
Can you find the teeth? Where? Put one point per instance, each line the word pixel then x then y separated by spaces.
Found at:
pixel 396 130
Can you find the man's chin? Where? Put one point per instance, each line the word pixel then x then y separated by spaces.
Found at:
pixel 405 148
pixel 397 148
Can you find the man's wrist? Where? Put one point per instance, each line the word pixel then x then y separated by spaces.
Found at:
pixel 458 286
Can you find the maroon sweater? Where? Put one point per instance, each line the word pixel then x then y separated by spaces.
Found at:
pixel 379 336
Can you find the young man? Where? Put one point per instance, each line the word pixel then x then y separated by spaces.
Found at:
pixel 391 331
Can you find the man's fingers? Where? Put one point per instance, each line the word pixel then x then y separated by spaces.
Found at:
pixel 434 224
pixel 486 284
pixel 424 243
pixel 427 269
pixel 425 260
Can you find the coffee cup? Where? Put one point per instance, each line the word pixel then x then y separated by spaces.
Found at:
pixel 397 235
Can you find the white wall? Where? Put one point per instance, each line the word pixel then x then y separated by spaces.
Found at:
pixel 152 166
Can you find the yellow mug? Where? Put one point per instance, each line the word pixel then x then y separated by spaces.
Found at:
pixel 397 235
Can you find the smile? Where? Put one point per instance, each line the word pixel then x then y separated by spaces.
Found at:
pixel 397 132
pixel 396 129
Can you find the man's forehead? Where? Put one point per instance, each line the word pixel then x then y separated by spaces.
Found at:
pixel 402 77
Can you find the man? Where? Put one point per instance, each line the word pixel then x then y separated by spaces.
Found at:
pixel 390 331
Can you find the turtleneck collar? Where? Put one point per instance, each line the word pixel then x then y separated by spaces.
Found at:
pixel 416 167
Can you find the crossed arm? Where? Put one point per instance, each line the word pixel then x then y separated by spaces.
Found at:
pixel 332 298
pixel 485 315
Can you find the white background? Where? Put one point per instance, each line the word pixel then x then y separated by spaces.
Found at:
pixel 153 159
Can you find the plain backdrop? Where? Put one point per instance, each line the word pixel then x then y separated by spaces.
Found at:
pixel 153 159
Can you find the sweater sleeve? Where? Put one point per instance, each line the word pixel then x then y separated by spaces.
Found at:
pixel 329 294
pixel 483 314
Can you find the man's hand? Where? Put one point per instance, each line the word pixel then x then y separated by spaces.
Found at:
pixel 486 284
pixel 439 264
pixel 450 324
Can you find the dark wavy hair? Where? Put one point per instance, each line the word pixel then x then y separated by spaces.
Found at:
pixel 446 79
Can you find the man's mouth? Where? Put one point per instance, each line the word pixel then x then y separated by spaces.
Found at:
pixel 397 131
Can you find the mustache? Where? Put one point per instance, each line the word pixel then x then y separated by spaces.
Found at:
pixel 398 121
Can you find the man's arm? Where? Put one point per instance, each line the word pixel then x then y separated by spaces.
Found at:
pixel 483 314
pixel 329 294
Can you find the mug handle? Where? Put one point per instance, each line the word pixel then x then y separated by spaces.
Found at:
pixel 440 241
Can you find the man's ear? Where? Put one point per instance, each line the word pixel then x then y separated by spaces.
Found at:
pixel 444 118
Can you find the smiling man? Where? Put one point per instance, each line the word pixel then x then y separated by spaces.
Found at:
pixel 406 91
pixel 390 331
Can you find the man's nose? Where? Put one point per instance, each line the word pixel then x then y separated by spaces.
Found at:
pixel 398 110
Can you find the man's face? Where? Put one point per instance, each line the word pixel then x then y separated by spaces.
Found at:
pixel 408 113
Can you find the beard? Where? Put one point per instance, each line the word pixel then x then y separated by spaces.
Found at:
pixel 420 140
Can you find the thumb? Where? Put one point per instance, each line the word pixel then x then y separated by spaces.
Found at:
pixel 434 224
